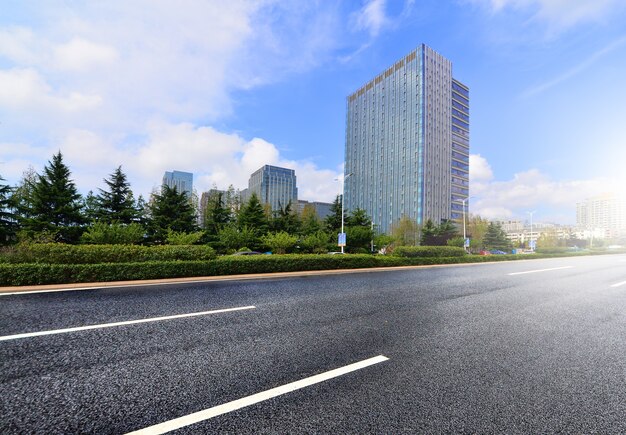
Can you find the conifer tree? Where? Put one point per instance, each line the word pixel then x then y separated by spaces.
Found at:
pixel 495 238
pixel 170 210
pixel 7 217
pixel 55 204
pixel 333 220
pixel 253 216
pixel 216 214
pixel 116 203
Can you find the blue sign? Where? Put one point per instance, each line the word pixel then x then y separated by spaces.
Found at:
pixel 532 244
pixel 342 239
pixel 467 242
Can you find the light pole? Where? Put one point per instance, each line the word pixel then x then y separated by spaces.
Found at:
pixel 464 234
pixel 343 195
pixel 530 243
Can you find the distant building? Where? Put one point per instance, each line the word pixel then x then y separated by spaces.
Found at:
pixel 274 186
pixel 321 208
pixel 182 181
pixel 407 142
pixel 204 202
pixel 606 213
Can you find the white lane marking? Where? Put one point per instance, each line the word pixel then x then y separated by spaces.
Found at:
pixel 540 270
pixel 619 284
pixel 128 322
pixel 209 413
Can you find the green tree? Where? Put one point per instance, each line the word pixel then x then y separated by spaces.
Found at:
pixel 55 203
pixel 495 238
pixel 233 238
pixel 429 233
pixel 359 233
pixel 333 220
pixel 182 238
pixel 405 232
pixel 315 243
pixel 170 210
pixel 116 203
pixel 279 242
pixel 8 224
pixel 216 215
pixel 285 219
pixel 310 222
pixel 253 216
pixel 100 233
pixel 476 229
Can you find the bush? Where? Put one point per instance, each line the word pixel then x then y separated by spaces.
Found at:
pixel 552 250
pixel 100 233
pixel 182 238
pixel 428 251
pixel 58 253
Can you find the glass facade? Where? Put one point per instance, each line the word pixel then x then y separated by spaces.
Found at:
pixel 183 181
pixel 399 141
pixel 274 186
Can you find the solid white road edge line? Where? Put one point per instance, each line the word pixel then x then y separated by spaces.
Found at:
pixel 209 413
pixel 619 284
pixel 128 322
pixel 540 270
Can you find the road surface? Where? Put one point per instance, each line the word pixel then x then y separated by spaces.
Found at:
pixel 517 347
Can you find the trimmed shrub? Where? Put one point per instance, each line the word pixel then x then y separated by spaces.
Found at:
pixel 428 251
pixel 58 253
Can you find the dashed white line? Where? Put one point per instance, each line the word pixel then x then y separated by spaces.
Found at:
pixel 209 413
pixel 128 322
pixel 540 270
pixel 619 284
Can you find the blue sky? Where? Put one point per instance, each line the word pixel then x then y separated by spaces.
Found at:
pixel 221 88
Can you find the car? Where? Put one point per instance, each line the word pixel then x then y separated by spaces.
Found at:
pixel 248 253
pixel 497 252
pixel 335 253
pixel 483 252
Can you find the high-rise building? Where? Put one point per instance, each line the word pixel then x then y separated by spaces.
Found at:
pixel 407 142
pixel 604 212
pixel 183 181
pixel 322 209
pixel 274 186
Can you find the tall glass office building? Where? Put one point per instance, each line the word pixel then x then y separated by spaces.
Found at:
pixel 407 142
pixel 274 186
pixel 182 181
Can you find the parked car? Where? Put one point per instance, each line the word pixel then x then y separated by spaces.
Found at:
pixel 497 252
pixel 483 252
pixel 248 253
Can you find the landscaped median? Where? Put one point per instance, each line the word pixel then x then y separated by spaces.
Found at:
pixel 64 264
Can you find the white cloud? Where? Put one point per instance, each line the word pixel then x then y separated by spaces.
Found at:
pixel 528 190
pixel 24 88
pixel 558 14
pixel 214 157
pixel 371 17
pixel 81 55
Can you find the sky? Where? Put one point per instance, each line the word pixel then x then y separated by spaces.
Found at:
pixel 221 88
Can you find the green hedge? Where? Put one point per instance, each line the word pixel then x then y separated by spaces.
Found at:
pixel 39 273
pixel 428 251
pixel 59 253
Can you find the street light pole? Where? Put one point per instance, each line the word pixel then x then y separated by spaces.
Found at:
pixel 343 195
pixel 464 233
pixel 530 244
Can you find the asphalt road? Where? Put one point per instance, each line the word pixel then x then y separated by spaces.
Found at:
pixel 467 349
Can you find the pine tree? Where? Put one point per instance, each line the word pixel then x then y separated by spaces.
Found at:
pixel 253 216
pixel 216 214
pixel 56 204
pixel 116 203
pixel 429 233
pixel 495 238
pixel 285 219
pixel 333 220
pixel 170 210
pixel 7 217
